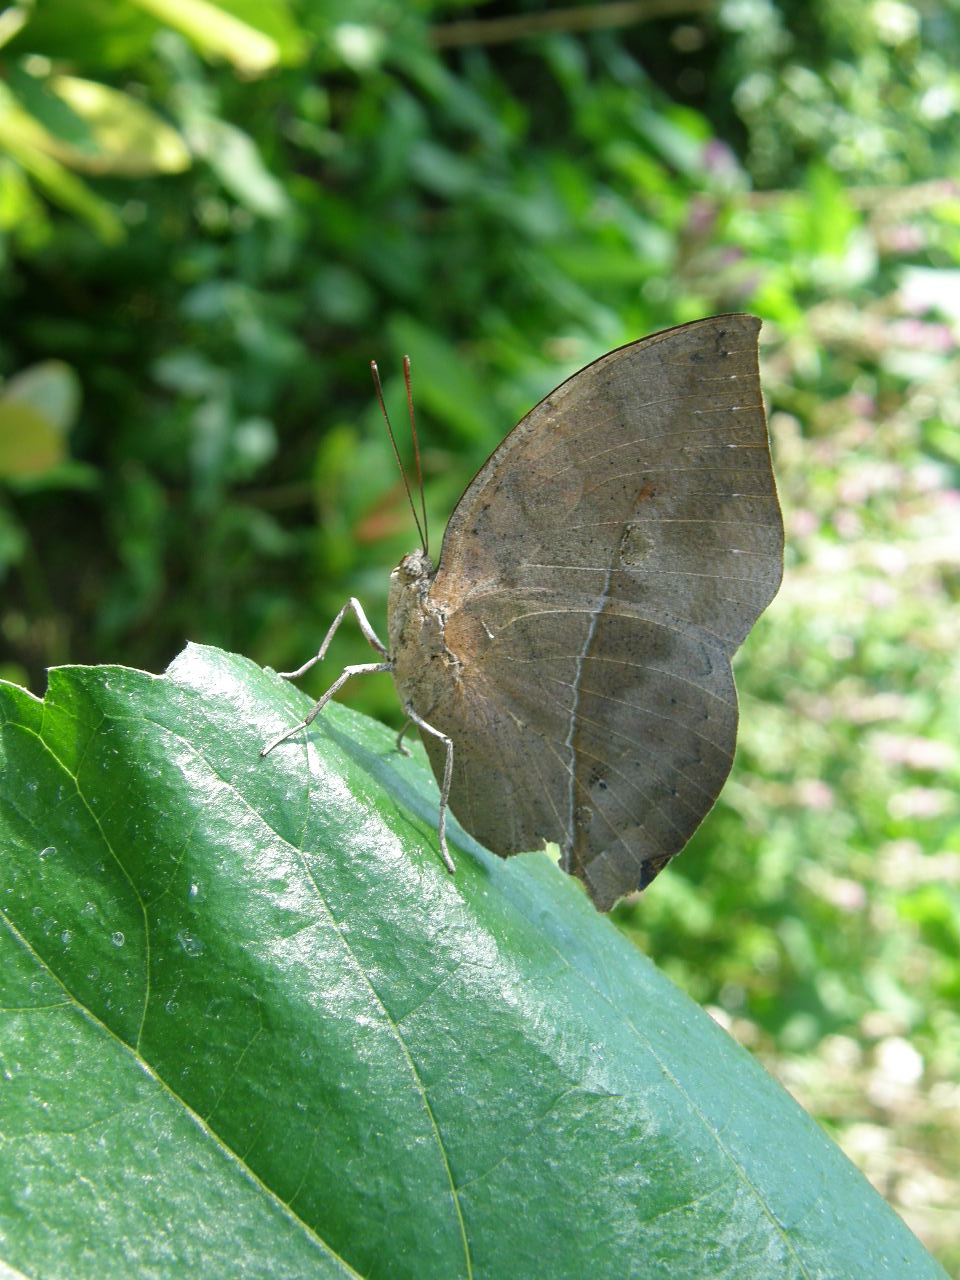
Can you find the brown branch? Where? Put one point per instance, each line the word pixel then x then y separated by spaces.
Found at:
pixel 911 198
pixel 617 13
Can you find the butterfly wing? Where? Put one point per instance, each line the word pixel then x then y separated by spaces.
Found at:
pixel 596 578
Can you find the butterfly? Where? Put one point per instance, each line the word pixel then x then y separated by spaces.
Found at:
pixel 567 660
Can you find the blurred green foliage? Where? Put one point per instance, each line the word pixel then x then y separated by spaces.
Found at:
pixel 212 217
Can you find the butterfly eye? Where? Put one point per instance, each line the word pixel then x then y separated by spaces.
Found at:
pixel 413 566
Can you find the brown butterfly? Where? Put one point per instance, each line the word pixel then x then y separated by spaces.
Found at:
pixel 568 660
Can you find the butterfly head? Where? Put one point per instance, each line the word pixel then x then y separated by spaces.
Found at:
pixel 415 567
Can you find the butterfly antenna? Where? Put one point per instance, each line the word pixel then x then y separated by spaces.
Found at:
pixel 396 452
pixel 416 451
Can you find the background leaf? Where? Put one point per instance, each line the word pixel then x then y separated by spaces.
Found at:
pixel 243 993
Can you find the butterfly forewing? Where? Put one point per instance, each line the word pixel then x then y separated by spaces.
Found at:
pixel 596 577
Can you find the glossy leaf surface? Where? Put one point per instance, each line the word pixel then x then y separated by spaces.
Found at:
pixel 251 1024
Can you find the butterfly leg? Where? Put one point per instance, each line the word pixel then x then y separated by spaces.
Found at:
pixel 369 635
pixel 445 788
pixel 404 751
pixel 361 669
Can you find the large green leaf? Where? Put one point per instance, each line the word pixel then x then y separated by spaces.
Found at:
pixel 251 1026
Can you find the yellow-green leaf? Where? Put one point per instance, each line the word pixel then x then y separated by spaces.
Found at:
pixel 50 388
pixel 125 137
pixel 29 443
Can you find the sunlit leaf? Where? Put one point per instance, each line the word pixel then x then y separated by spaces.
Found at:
pixel 12 19
pixel 123 136
pixel 216 31
pixel 29 144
